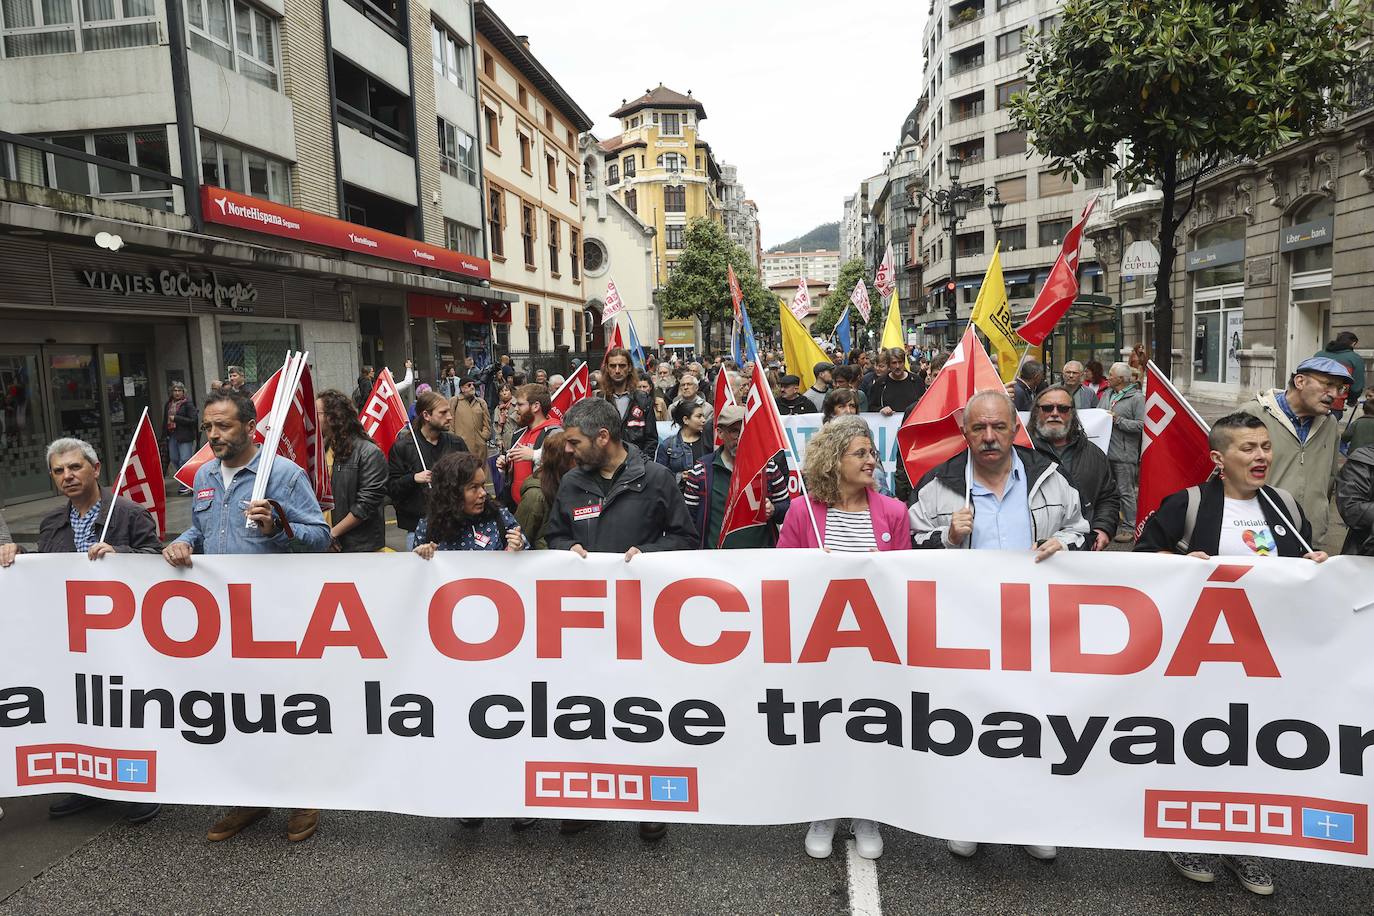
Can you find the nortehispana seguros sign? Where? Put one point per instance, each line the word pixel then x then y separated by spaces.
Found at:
pixel 1091 700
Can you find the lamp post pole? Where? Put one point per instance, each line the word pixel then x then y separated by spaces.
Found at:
pixel 953 204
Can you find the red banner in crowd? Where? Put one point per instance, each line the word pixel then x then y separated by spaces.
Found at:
pixel 723 395
pixel 1060 289
pixel 577 387
pixel 760 441
pixel 141 477
pixel 1174 451
pixel 230 208
pixel 384 414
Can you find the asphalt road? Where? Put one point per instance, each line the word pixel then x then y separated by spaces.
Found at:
pixel 381 864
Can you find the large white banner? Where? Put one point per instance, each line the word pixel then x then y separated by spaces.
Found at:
pixel 1100 700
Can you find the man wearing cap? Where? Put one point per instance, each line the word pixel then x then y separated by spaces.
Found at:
pixel 469 419
pixel 789 402
pixel 706 486
pixel 1306 439
pixel 824 373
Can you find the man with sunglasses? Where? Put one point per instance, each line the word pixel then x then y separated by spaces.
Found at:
pixel 1057 434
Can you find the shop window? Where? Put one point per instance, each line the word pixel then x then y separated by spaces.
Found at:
pixel 35 27
pixel 1218 326
pixel 450 55
pixel 142 147
pixel 228 165
pixel 457 152
pixel 1218 234
pixel 371 107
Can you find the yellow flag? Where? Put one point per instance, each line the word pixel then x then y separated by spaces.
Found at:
pixel 799 351
pixel 892 328
pixel 992 315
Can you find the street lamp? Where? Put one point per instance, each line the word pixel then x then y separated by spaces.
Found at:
pixel 953 204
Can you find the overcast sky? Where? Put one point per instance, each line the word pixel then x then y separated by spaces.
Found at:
pixel 804 96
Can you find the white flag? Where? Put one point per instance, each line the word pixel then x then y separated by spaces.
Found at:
pixel 883 281
pixel 860 299
pixel 801 302
pixel 614 304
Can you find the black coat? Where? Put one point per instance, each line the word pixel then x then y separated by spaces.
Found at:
pixel 360 485
pixel 643 509
pixel 1164 528
pixel 1090 473
pixel 187 422
pixel 411 499
pixel 639 424
pixel 132 528
pixel 1355 501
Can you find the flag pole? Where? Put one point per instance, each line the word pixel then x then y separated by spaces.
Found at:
pixel 119 481
pixel 1296 533
pixel 792 458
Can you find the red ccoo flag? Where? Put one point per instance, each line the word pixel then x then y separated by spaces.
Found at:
pixel 617 341
pixel 723 396
pixel 1060 289
pixel 760 441
pixel 1174 452
pixel 934 431
pixel 384 414
pixel 299 439
pixel 140 479
pixel 577 387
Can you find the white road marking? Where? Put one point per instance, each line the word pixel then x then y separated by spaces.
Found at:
pixel 863 884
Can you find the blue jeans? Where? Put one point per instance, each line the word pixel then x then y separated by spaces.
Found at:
pixel 180 452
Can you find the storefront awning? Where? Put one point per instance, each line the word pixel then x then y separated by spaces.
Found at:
pixel 457 308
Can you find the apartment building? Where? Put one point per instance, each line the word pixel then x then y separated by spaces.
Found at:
pixel 821 265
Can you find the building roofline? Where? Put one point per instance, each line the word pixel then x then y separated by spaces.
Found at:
pixel 490 27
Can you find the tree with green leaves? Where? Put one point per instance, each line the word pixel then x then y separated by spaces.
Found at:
pixel 850 273
pixel 1159 90
pixel 699 287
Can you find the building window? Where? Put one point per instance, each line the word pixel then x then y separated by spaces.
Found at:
pixel 228 165
pixel 966 59
pixel 450 55
pixel 532 326
pixel 1097 178
pixel 551 171
pixel 674 200
pixel 523 97
pixel 1003 4
pixel 554 237
pixel 526 153
pixel 556 325
pixel 1218 325
pixel 673 237
pixel 574 252
pixel 1012 238
pixel 1012 190
pixel 143 147
pixel 34 27
pixel 1052 184
pixel 579 341
pixel 488 64
pixel 1009 43
pixel 670 125
pixel 1049 25
pixel 548 120
pixel 389 14
pixel 968 152
pixel 572 185
pixel 593 256
pixel 247 43
pixel 571 141
pixel 493 133
pixel 613 174
pixel 1011 143
pixel 496 221
pixel 1007 90
pixel 1052 231
pixel 371 107
pixel 629 163
pixel 459 237
pixel 527 232
pixel 457 152
pixel 672 162
pixel 969 244
pixel 966 106
pixel 632 201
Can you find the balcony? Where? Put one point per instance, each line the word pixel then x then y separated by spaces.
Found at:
pixel 1362 88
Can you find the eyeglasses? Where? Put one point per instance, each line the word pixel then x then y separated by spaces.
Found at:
pixel 1056 408
pixel 863 453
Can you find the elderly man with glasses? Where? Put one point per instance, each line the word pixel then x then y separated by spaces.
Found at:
pixel 1057 434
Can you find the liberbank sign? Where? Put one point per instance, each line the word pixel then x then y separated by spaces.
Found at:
pixel 230 208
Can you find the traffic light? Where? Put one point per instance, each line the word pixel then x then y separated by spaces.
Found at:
pixel 949 286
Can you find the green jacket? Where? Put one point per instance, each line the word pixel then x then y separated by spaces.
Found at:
pixel 1307 470
pixel 533 512
pixel 1359 432
pixel 1355 362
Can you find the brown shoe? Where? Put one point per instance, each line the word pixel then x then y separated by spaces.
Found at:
pixel 233 822
pixel 302 824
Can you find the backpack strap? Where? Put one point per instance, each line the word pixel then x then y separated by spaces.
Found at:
pixel 1189 518
pixel 1290 506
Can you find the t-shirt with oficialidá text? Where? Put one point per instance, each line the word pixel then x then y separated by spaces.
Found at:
pixel 1244 531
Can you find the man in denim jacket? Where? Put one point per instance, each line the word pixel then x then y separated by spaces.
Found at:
pixel 223 499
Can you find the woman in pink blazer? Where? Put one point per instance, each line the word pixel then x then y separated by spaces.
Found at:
pixel 852 517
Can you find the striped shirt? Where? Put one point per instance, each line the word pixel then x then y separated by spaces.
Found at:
pixel 849 532
pixel 83 526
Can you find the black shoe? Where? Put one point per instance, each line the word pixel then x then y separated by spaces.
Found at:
pixel 140 812
pixel 569 827
pixel 472 823
pixel 523 823
pixel 651 831
pixel 73 804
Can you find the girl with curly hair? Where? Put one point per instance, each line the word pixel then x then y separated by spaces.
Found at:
pixel 358 474
pixel 461 515
pixel 851 517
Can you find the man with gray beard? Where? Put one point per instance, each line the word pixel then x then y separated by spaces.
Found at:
pixel 1057 434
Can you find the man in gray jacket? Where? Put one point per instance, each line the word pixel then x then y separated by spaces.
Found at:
pixel 1126 403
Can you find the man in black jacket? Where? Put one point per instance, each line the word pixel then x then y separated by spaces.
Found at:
pixel 408 465
pixel 900 390
pixel 1057 434
pixel 620 388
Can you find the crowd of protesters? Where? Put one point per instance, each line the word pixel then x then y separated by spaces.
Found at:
pixel 486 467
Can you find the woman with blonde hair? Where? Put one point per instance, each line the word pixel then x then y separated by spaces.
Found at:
pixel 844 513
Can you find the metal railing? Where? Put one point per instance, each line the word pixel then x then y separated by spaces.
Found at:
pixel 369 126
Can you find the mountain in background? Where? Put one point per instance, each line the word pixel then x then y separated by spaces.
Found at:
pixel 825 237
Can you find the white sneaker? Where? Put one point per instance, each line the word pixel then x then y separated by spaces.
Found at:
pixel 1044 853
pixel 867 838
pixel 962 848
pixel 820 839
